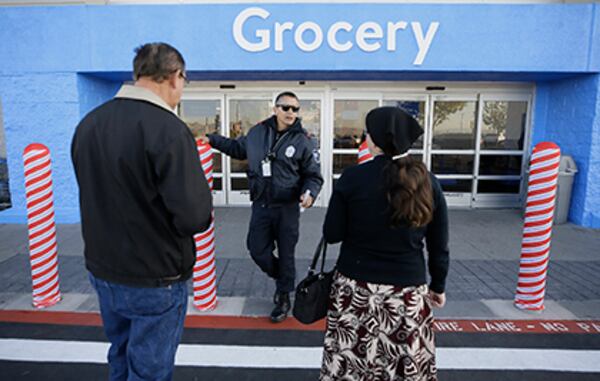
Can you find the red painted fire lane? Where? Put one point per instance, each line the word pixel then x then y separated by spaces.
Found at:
pixel 248 322
pixel 518 326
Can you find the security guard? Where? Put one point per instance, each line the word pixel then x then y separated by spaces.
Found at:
pixel 283 175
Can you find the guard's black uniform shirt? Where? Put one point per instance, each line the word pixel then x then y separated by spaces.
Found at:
pixel 294 164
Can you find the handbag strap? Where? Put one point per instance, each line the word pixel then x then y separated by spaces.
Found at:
pixel 321 247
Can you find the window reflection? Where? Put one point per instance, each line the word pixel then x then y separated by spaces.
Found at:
pixel 217 167
pixel 456 185
pixel 217 183
pixel 202 116
pixel 349 122
pixel 247 113
pixel 498 186
pixel 310 112
pixel 503 125
pixel 343 161
pixel 416 109
pixel 236 130
pixel 500 165
pixel 239 165
pixel 454 125
pixel 239 183
pixel 452 164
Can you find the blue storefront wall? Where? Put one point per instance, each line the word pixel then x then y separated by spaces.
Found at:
pixel 569 111
pixel 40 107
pixel 57 63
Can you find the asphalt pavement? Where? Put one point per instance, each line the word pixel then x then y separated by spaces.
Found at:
pixel 484 250
pixel 479 334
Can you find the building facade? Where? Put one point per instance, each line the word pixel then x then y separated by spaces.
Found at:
pixel 487 82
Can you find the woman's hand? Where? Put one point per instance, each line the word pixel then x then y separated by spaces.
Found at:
pixel 437 300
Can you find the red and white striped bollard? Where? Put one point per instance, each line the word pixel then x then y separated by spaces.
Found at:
pixel 537 229
pixel 43 253
pixel 363 153
pixel 205 271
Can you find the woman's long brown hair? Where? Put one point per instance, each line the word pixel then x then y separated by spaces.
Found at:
pixel 409 192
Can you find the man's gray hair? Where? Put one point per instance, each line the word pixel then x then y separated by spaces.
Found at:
pixel 156 60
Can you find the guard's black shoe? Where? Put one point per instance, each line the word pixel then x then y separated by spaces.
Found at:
pixel 282 307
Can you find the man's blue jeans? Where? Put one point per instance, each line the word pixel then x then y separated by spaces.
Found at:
pixel 144 326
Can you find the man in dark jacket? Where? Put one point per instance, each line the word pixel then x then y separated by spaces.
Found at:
pixel 283 170
pixel 142 195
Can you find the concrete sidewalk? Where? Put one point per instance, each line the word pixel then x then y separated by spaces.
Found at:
pixel 484 247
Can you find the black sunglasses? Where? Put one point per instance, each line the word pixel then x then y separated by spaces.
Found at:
pixel 287 108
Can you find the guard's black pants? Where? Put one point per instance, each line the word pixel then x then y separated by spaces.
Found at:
pixel 267 226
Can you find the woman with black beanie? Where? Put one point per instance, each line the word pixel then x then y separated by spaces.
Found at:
pixel 379 323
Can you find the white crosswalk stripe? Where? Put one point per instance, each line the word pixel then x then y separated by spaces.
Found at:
pixel 274 357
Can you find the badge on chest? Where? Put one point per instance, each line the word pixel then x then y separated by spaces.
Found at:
pixel 266 167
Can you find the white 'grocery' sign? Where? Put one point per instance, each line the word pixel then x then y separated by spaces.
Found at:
pixel 341 36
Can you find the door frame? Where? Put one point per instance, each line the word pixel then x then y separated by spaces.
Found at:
pixel 483 200
pixel 454 199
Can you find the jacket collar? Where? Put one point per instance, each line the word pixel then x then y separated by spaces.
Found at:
pixel 296 127
pixel 142 94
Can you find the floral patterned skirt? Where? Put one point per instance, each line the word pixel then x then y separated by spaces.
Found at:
pixel 378 332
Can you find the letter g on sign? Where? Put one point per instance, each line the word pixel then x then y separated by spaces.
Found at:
pixel 263 35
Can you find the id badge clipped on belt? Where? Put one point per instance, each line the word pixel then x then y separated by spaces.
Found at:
pixel 266 168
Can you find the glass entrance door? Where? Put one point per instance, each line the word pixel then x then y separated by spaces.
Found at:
pixel 243 113
pixel 311 112
pixel 476 147
pixel 204 115
pixel 451 145
pixel 233 116
pixel 475 142
pixel 349 113
pixel 501 146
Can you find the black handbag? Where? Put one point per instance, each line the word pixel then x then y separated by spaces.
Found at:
pixel 312 293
